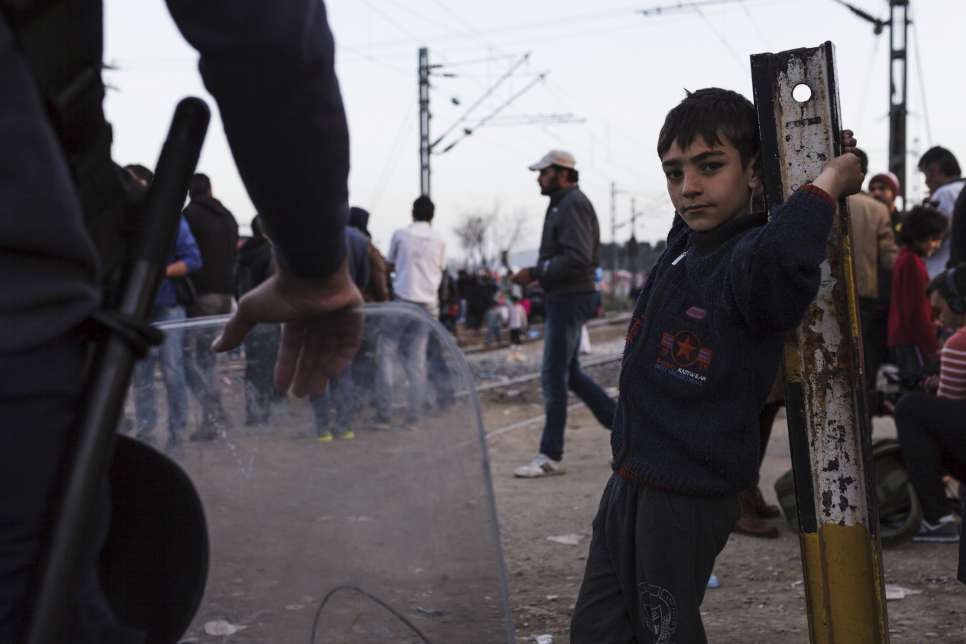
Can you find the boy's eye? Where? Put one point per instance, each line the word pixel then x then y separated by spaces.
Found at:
pixel 711 166
pixel 673 175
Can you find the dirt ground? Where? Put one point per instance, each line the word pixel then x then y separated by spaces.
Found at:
pixel 761 598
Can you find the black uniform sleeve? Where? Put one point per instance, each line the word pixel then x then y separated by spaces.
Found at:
pixel 575 241
pixel 270 67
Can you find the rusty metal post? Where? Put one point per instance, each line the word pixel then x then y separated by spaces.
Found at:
pixel 798 112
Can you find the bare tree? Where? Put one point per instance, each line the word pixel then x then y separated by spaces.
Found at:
pixel 488 235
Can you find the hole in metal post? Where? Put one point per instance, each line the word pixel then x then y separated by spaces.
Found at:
pixel 801 93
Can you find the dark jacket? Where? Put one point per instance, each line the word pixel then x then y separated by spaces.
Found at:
pixel 705 342
pixel 255 265
pixel 216 232
pixel 358 255
pixel 569 247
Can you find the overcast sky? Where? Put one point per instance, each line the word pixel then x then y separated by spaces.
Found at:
pixel 614 70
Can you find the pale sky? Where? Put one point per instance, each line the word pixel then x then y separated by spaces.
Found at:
pixel 617 71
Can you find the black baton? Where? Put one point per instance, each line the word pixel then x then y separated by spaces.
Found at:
pixel 91 448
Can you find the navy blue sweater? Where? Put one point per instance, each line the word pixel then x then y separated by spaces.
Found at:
pixel 705 342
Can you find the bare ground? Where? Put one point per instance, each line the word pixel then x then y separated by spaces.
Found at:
pixel 761 598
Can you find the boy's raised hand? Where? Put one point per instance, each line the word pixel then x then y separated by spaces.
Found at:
pixel 842 176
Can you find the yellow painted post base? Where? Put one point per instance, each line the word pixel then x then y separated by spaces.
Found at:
pixel 844 607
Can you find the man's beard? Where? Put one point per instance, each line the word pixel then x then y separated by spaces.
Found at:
pixel 551 187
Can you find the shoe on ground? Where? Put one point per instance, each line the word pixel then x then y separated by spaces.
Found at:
pixel 206 435
pixel 541 465
pixel 764 510
pixel 945 531
pixel 325 437
pixel 347 435
pixel 748 521
pixel 379 424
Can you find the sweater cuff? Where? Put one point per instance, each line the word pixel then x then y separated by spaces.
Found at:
pixel 818 192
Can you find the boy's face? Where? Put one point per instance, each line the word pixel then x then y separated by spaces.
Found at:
pixel 708 185
pixel 945 315
pixel 882 192
pixel 927 247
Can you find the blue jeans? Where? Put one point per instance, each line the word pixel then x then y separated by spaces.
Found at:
pixel 340 394
pixel 565 315
pixel 410 337
pixel 171 356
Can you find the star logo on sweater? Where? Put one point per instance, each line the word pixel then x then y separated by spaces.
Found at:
pixel 686 346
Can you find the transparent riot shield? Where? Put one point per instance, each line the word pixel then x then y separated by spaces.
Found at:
pixel 362 515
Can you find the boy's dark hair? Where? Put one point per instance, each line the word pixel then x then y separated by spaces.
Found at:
pixel 922 223
pixel 711 113
pixel 200 185
pixel 140 172
pixel 256 224
pixel 423 208
pixel 863 160
pixel 948 164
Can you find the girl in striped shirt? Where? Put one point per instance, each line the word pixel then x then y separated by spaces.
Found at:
pixel 932 428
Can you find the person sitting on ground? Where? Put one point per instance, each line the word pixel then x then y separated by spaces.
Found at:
pixel 702 350
pixel 930 426
pixel 912 334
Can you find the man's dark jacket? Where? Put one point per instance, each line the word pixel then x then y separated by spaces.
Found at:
pixel 216 232
pixel 570 246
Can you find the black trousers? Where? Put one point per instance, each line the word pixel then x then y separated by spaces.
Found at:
pixel 931 429
pixel 648 566
pixel 37 408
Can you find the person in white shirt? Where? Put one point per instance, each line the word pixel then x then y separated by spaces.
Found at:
pixel 942 174
pixel 416 256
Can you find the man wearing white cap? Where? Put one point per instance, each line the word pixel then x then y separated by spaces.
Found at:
pixel 569 250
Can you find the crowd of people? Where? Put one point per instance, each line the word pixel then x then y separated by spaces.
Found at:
pixel 697 384
pixel 912 309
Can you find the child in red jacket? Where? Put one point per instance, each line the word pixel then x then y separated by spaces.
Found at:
pixel 912 332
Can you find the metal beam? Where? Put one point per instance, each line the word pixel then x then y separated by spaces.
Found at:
pixel 898 91
pixel 424 116
pixel 828 422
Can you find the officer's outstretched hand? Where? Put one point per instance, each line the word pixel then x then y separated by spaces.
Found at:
pixel 321 327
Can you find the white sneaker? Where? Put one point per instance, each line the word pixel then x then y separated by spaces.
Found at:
pixel 541 465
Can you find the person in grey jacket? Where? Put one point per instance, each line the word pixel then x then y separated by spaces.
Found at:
pixel 568 258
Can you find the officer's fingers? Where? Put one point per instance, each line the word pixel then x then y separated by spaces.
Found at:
pixel 289 346
pixel 234 332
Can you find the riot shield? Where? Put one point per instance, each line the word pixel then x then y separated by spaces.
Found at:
pixel 362 515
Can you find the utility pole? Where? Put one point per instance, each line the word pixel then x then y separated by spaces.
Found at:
pixel 898 90
pixel 613 225
pixel 796 98
pixel 898 25
pixel 424 116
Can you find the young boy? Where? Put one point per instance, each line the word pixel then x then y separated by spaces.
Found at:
pixel 702 351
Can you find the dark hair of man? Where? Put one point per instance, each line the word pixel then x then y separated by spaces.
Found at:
pixel 423 209
pixel 140 172
pixel 863 160
pixel 941 282
pixel 711 113
pixel 922 223
pixel 948 164
pixel 257 226
pixel 573 176
pixel 200 186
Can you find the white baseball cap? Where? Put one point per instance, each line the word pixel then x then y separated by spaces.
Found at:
pixel 560 158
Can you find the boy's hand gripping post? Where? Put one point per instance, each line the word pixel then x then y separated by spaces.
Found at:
pixel 796 97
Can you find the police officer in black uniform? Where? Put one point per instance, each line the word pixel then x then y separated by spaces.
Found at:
pixel 269 66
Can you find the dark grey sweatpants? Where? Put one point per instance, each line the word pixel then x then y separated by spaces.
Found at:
pixel 649 562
